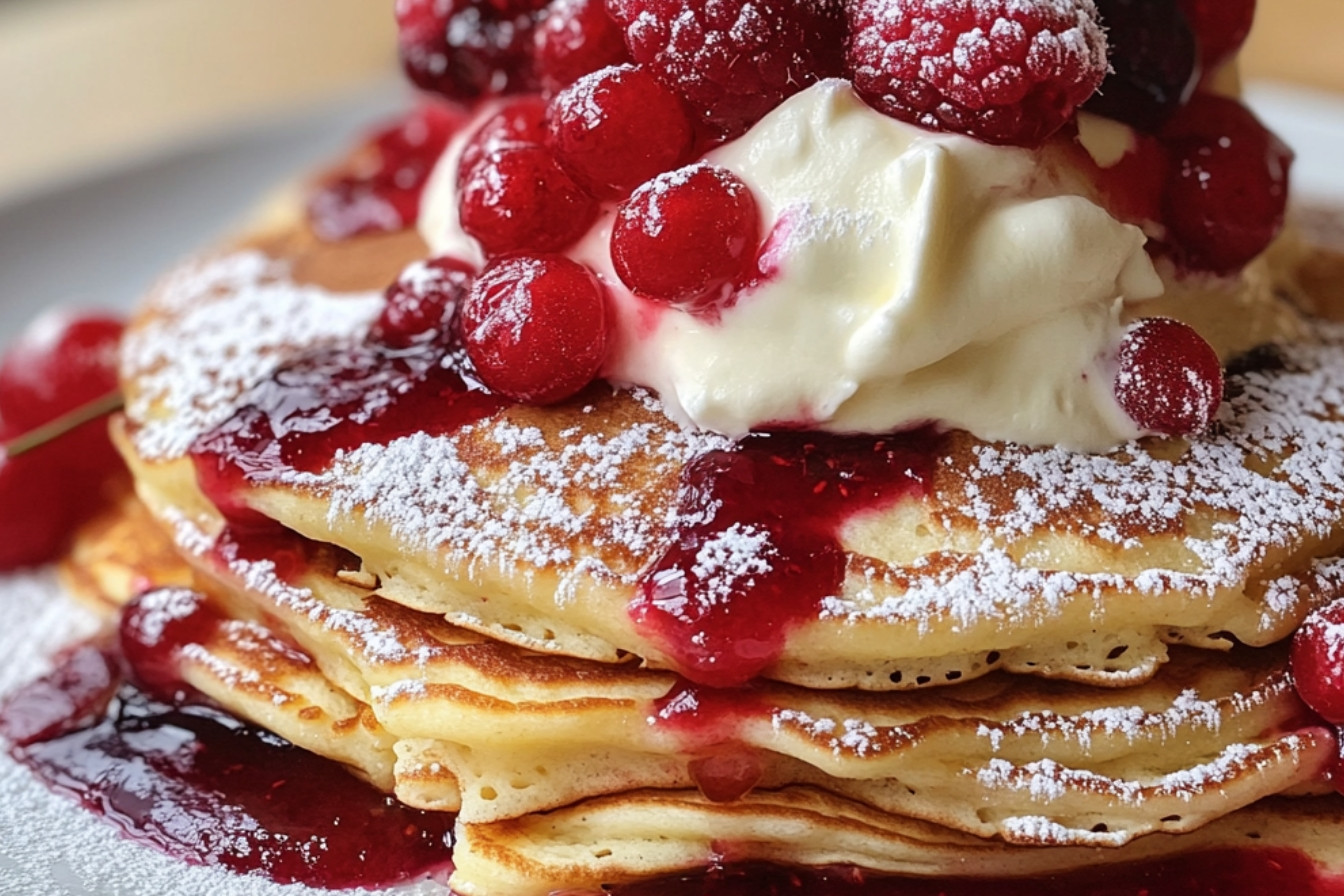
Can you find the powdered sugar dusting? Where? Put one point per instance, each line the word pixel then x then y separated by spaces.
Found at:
pixel 216 328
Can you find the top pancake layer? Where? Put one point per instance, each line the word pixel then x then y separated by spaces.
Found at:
pixel 538 526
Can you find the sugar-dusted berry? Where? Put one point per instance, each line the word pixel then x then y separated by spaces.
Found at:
pixel 616 128
pixel 421 304
pixel 153 629
pixel 1318 662
pixel 520 121
pixel 519 199
pixel 1227 185
pixel 687 237
pixel 1169 380
pixel 1154 62
pixel 464 49
pixel 998 70
pixel 576 38
pixel 536 328
pixel 733 60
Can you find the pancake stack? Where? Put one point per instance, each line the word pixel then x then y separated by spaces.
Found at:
pixel 1024 653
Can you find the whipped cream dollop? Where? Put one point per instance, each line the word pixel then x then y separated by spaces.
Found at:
pixel 911 277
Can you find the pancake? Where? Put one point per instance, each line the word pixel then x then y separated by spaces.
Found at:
pixel 534 525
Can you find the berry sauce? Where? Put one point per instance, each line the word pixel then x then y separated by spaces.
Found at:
pixel 757 549
pixel 199 785
pixel 331 401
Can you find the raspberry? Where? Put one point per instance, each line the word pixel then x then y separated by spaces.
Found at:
pixel 1318 662
pixel 464 49
pixel 577 37
pixel 1169 379
pixel 733 60
pixel 616 128
pixel 687 237
pixel 1221 27
pixel 1227 187
pixel 536 328
pixel 518 199
pixel 1153 61
pixel 520 121
pixel 999 70
pixel 422 303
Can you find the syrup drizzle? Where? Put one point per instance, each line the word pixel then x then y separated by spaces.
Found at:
pixel 328 402
pixel 196 783
pixel 757 548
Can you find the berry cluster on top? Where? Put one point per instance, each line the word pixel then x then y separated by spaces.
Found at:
pixel 585 105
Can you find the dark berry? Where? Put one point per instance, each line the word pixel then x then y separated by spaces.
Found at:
pixel 1318 662
pixel 1002 71
pixel 536 328
pixel 1153 62
pixel 421 304
pixel 380 192
pixel 521 121
pixel 153 629
pixel 518 199
pixel 576 38
pixel 1169 380
pixel 1227 185
pixel 733 60
pixel 1220 27
pixel 464 49
pixel 687 237
pixel 614 129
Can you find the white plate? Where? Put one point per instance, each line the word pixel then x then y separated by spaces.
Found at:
pixel 100 243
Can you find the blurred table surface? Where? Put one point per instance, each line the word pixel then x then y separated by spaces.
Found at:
pixel 88 84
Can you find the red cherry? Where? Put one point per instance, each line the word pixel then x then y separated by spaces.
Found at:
pixel 1318 662
pixel 153 629
pixel 1221 27
pixel 422 303
pixel 39 508
pixel 576 37
pixel 61 361
pixel 518 199
pixel 1169 379
pixel 536 328
pixel 1227 187
pixel 687 237
pixel 520 121
pixel 614 129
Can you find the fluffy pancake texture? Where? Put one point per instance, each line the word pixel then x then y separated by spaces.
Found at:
pixel 449 614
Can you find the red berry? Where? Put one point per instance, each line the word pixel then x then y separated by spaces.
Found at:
pixel 520 121
pixel 381 193
pixel 464 49
pixel 1318 662
pixel 999 70
pixel 422 303
pixel 518 199
pixel 733 60
pixel 61 361
pixel 577 37
pixel 727 774
pixel 1153 62
pixel 687 237
pixel 616 128
pixel 1227 187
pixel 36 484
pixel 152 630
pixel 1220 26
pixel 536 328
pixel 1169 380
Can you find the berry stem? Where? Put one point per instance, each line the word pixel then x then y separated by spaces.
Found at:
pixel 48 432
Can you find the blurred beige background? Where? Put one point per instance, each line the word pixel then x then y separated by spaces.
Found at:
pixel 89 83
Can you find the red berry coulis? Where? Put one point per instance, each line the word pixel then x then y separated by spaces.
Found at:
pixel 758 548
